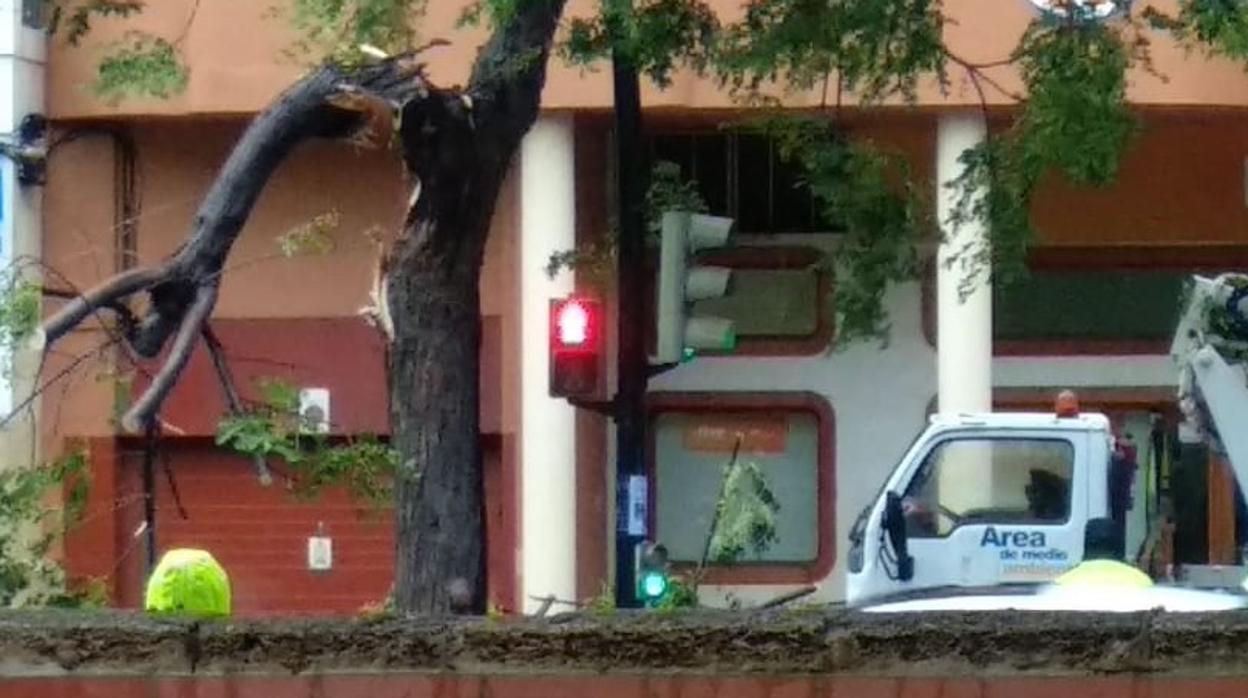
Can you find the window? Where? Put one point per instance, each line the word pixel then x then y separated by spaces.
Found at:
pixel 989 481
pixel 1094 299
pixel 744 177
pixel 1090 304
pixel 787 436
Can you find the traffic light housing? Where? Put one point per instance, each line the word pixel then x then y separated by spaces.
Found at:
pixel 575 346
pixel 680 284
pixel 653 574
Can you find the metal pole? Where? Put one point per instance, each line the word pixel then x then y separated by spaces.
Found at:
pixel 630 414
pixel 149 496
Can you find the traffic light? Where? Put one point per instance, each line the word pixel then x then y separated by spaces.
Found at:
pixel 680 284
pixel 575 346
pixel 653 575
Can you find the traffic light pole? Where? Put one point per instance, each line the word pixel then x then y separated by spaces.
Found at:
pixel 632 368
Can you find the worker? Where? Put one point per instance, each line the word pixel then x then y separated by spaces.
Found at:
pixel 188 582
pixel 1048 495
pixel 1100 566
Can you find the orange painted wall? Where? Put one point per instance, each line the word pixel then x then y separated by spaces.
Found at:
pixel 1182 182
pixel 234 53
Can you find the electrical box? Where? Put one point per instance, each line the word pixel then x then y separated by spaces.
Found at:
pixel 314 410
pixel 320 552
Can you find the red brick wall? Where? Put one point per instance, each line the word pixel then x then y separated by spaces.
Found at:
pixel 259 534
pixel 424 686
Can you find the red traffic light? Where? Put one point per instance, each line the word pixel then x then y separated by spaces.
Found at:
pixel 572 323
pixel 575 339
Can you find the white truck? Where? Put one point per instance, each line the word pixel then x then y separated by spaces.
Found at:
pixel 1000 500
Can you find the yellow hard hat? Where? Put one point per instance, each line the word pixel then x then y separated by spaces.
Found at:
pixel 188 582
pixel 1103 573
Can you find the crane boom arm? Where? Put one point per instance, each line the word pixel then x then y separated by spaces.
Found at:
pixel 1213 392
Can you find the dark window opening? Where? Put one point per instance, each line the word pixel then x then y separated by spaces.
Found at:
pixel 745 177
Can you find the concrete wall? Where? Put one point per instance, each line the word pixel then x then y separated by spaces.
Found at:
pixel 780 654
pixel 423 686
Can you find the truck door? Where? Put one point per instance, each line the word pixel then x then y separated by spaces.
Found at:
pixel 1005 508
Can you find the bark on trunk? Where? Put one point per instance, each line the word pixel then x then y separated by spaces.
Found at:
pixel 458 152
pixel 434 393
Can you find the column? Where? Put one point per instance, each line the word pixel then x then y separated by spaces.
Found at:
pixel 964 344
pixel 22 60
pixel 964 323
pixel 548 425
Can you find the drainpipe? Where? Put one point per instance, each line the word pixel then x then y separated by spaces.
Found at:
pixel 23 56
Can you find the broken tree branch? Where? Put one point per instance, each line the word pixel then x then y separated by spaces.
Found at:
pixel 143 412
pixel 125 317
pixel 328 103
pixel 102 296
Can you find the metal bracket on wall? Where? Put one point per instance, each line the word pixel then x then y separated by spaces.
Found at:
pixel 610 408
pixel 607 408
pixel 26 148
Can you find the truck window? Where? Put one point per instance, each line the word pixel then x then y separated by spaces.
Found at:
pixel 989 481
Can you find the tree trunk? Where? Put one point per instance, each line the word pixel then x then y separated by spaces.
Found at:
pixel 458 151
pixel 434 397
pixel 434 304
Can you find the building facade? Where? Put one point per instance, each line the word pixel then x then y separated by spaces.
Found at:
pixel 123 182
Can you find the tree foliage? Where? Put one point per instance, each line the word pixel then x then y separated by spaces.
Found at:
pixel 276 430
pixel 30 529
pixel 1219 26
pixel 1075 124
pixel 873 49
pixel 335 30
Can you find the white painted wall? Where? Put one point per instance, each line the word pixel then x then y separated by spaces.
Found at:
pixel 879 397
pixel 547 557
pixel 22 59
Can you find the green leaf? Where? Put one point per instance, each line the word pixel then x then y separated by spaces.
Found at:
pixel 334 30
pixel 140 66
pixel 314 237
pixel 878 49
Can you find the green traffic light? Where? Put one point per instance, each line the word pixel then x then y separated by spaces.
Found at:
pixel 653 585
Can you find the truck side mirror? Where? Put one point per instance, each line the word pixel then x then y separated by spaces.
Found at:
pixel 895 525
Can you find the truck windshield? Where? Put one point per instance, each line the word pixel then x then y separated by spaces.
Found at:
pixel 1012 480
pixel 860 524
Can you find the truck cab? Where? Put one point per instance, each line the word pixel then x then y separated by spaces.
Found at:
pixel 999 500
pixel 983 500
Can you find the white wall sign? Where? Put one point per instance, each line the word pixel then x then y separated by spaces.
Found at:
pixel 637 505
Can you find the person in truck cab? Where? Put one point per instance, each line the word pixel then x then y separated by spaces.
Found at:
pixel 1101 566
